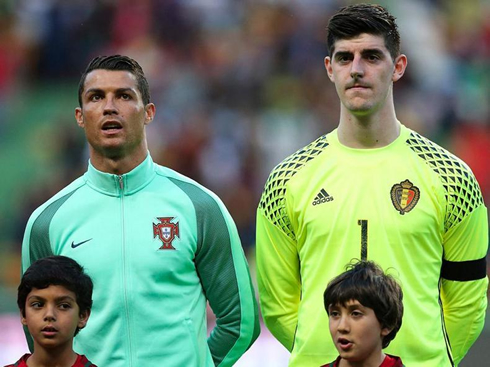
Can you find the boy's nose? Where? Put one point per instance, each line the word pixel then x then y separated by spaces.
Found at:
pixel 343 325
pixel 50 314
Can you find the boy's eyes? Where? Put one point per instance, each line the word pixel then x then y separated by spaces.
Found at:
pixel 62 306
pixel 354 313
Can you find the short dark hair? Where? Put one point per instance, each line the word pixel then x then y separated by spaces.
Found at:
pixel 350 21
pixel 116 63
pixel 56 270
pixel 365 282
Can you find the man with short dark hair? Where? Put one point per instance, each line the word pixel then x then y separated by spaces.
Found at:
pixel 157 244
pixel 373 189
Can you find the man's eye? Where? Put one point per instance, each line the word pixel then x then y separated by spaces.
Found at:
pixel 356 313
pixel 96 97
pixel 125 96
pixel 36 304
pixel 65 306
pixel 334 313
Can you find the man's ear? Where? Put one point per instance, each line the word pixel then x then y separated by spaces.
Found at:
pixel 79 117
pixel 400 67
pixel 83 318
pixel 150 111
pixel 328 67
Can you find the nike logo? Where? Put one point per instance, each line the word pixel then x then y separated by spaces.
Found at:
pixel 75 245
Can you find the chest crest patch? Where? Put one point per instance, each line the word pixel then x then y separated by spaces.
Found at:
pixel 166 231
pixel 404 196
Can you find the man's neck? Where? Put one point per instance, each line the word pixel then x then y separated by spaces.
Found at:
pixel 368 131
pixel 117 165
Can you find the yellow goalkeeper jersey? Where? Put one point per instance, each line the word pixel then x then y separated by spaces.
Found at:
pixel 412 207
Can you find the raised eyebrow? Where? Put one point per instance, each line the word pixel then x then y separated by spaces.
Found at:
pixel 93 91
pixel 65 298
pixel 372 51
pixel 118 91
pixel 356 306
pixel 36 298
pixel 125 90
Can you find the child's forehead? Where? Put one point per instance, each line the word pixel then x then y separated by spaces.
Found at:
pixel 52 291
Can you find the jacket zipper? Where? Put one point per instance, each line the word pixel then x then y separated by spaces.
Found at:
pixel 124 273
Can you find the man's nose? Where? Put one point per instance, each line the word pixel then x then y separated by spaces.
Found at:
pixel 110 106
pixel 357 68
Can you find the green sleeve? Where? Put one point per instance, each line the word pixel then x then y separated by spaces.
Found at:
pixel 464 281
pixel 225 278
pixel 36 243
pixel 278 280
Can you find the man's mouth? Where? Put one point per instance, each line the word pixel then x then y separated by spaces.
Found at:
pixel 111 125
pixel 358 86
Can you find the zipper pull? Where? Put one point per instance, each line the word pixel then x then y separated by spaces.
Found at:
pixel 121 183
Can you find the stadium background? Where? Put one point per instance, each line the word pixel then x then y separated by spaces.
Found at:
pixel 238 85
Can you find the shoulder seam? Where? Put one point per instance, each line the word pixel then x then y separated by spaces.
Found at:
pixel 272 202
pixel 462 192
pixel 40 228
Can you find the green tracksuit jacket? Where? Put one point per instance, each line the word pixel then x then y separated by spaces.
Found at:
pixel 157 246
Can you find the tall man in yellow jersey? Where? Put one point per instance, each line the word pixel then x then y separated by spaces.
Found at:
pixel 373 189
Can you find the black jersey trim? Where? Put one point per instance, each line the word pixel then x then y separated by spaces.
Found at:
pixel 464 271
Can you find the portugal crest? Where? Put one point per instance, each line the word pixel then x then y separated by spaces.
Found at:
pixel 166 231
pixel 405 196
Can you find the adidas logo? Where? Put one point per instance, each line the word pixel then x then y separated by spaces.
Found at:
pixel 322 197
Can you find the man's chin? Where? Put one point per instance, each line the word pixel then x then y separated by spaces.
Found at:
pixel 361 111
pixel 360 106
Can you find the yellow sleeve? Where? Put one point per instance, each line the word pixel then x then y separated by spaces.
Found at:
pixel 464 281
pixel 278 280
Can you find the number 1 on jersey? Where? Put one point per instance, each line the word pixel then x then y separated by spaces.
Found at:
pixel 364 236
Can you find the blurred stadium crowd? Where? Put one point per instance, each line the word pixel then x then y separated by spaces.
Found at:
pixel 238 85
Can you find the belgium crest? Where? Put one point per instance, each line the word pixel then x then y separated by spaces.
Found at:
pixel 404 196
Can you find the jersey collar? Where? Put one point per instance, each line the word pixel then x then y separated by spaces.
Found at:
pixel 117 185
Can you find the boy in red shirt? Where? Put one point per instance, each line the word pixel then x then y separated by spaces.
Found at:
pixel 55 299
pixel 365 310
